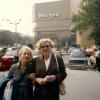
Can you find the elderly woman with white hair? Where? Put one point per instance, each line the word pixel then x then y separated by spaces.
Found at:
pixel 47 74
pixel 19 72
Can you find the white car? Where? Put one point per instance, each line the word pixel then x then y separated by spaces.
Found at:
pixel 70 50
pixel 77 60
pixel 36 53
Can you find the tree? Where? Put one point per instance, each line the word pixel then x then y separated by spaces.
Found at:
pixel 88 17
pixel 6 37
pixel 9 38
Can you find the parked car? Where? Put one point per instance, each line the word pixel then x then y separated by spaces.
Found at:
pixel 2 51
pixel 36 53
pixel 70 50
pixel 73 46
pixel 9 58
pixel 63 52
pixel 56 51
pixel 77 60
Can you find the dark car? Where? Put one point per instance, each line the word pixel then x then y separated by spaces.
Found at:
pixel 9 58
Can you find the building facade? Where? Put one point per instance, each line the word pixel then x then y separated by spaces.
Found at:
pixel 52 19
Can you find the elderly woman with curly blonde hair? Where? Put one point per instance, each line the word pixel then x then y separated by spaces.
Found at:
pixel 48 75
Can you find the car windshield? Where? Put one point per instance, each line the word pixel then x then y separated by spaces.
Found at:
pixel 11 53
pixel 77 55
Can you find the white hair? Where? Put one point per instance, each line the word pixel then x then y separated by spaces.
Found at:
pixel 25 48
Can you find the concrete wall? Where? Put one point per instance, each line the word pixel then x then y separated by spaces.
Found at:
pixel 52 19
pixel 51 16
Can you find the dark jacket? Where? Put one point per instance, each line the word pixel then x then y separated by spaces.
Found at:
pixel 51 89
pixel 23 84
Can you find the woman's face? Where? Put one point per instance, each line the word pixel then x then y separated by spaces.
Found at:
pixel 26 56
pixel 45 48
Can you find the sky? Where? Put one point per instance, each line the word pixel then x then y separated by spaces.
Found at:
pixel 17 11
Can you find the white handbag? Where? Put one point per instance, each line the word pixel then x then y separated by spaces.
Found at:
pixel 8 92
pixel 62 86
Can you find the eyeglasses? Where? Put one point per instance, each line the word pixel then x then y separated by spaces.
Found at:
pixel 47 46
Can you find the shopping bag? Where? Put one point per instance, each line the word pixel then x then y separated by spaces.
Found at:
pixel 62 89
pixel 3 83
pixel 8 92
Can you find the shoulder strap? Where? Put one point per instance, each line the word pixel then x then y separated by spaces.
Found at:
pixel 57 62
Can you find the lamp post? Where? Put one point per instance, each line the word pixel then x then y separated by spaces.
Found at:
pixel 15 23
pixel 16 32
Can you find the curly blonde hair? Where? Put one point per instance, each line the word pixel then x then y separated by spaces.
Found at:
pixel 42 41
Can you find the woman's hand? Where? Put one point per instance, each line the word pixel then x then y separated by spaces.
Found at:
pixel 41 81
pixel 31 76
pixel 50 78
pixel 9 83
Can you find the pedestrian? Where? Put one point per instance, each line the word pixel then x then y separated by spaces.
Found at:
pixel 97 55
pixel 48 76
pixel 20 72
pixel 30 45
pixel 92 59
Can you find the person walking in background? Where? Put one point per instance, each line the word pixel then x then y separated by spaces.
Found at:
pixel 97 55
pixel 20 73
pixel 30 45
pixel 92 59
pixel 47 75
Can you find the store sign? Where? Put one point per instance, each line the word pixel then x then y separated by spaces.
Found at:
pixel 50 15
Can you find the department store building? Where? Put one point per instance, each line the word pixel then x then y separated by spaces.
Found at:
pixel 52 19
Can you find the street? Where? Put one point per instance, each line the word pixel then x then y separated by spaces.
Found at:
pixel 82 85
pixel 3 74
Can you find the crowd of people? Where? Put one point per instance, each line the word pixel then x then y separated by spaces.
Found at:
pixel 41 72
